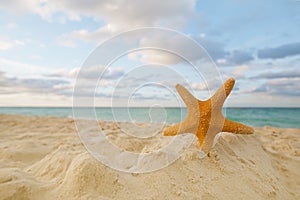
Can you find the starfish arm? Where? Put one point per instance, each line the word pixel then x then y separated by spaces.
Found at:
pixel 234 127
pixel 171 131
pixel 189 100
pixel 183 127
pixel 223 92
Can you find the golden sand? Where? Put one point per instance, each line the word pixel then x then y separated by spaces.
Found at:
pixel 43 158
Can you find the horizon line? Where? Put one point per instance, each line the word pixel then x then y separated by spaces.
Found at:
pixel 141 107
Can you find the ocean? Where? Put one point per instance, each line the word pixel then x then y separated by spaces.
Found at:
pixel 277 117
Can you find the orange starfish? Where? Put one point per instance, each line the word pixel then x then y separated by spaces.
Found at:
pixel 205 118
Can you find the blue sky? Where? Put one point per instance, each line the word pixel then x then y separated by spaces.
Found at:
pixel 43 45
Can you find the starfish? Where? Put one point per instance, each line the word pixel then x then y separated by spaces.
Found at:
pixel 205 118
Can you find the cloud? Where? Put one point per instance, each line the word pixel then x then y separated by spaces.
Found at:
pixel 6 45
pixel 51 90
pixel 66 41
pixel 93 72
pixel 155 56
pixel 239 57
pixel 61 83
pixel 13 67
pixel 237 72
pixel 21 6
pixel 281 87
pixel 279 74
pixel 97 36
pixel 123 13
pixel 261 88
pixel 142 96
pixel 210 84
pixel 88 82
pixel 12 25
pixel 63 73
pixel 282 51
pixel 166 43
pixel 216 50
pixel 11 85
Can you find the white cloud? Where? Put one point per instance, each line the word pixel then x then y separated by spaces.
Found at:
pixel 93 72
pixel 12 25
pixel 207 85
pixel 30 99
pixel 288 73
pixel 97 36
pixel 165 45
pixel 126 13
pixel 6 45
pixel 66 41
pixel 239 71
pixel 282 87
pixel 202 35
pixel 155 56
pixel 199 86
pixel 122 15
pixel 221 61
pixel 11 85
pixel 16 68
pixel 57 84
pixel 21 6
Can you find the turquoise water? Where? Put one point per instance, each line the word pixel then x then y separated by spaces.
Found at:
pixel 278 117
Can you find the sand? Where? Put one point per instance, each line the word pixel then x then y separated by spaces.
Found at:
pixel 43 158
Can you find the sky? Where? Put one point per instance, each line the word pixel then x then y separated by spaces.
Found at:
pixel 47 46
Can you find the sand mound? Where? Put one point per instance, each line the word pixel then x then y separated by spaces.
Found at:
pixel 37 162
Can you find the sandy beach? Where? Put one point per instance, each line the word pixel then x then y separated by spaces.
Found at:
pixel 43 158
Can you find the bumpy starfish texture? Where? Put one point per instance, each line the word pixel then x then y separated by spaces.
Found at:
pixel 205 118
